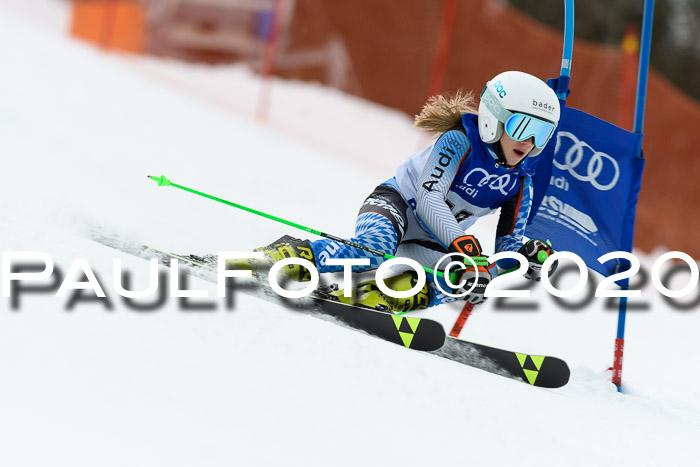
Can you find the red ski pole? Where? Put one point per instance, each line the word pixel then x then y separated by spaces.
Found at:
pixel 462 319
pixel 468 307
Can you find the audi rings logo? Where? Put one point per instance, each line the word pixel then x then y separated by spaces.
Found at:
pixel 480 177
pixel 585 163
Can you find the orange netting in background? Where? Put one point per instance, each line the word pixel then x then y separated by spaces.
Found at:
pixel 113 24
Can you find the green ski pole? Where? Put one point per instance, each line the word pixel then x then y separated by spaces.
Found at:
pixel 164 181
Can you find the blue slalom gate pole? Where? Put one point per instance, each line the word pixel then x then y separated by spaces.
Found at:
pixel 644 53
pixel 565 74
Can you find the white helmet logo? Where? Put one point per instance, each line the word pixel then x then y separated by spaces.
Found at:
pixel 500 89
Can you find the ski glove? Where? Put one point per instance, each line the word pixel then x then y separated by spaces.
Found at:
pixel 467 245
pixel 536 252
pixel 481 276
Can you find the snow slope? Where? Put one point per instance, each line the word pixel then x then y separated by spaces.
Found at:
pixel 261 385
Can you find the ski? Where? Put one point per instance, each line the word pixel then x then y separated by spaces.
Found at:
pixel 415 333
pixel 536 370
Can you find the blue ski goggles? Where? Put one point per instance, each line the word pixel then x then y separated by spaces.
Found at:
pixel 521 127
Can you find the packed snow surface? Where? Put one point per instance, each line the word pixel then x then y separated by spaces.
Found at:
pixel 95 382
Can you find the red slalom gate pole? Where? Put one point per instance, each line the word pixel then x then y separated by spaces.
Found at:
pixel 442 54
pixel 442 50
pixel 462 319
pixel 270 61
pixel 617 363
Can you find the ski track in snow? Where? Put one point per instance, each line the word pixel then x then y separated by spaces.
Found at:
pixel 260 384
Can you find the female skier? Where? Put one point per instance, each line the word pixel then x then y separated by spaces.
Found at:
pixel 476 165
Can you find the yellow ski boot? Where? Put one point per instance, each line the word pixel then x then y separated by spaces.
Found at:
pixel 285 247
pixel 367 294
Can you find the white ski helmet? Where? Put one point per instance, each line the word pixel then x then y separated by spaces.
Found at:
pixel 508 100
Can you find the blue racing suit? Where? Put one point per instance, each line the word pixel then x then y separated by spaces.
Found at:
pixel 435 196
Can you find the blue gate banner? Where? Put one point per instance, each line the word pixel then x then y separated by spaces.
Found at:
pixel 586 187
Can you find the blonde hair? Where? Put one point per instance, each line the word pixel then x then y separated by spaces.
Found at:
pixel 443 112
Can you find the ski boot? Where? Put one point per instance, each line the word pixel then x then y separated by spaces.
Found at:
pixel 285 247
pixel 368 295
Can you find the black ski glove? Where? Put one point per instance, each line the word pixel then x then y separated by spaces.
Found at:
pixel 536 252
pixel 467 245
pixel 482 279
